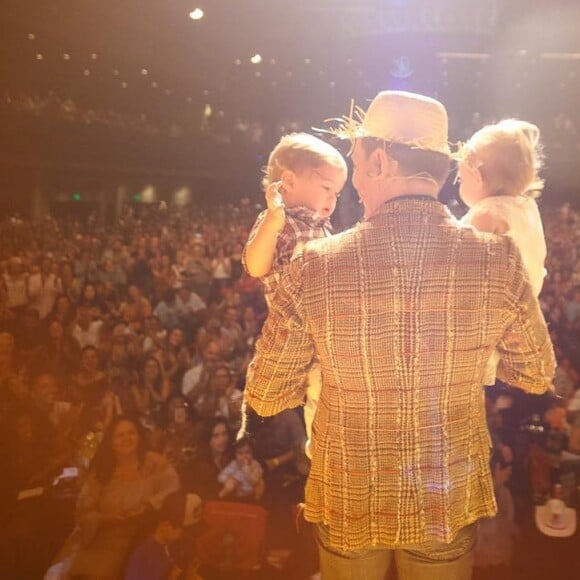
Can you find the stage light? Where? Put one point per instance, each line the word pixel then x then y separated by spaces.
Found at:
pixel 115 72
pixel 144 72
pixel 154 85
pixel 77 196
pixel 207 112
pixel 182 197
pixel 237 62
pixel 124 85
pixel 31 36
pixel 66 56
pixel 196 14
pixel 401 68
pixel 39 56
pixel 87 72
pixel 149 194
pixel 256 59
pixel 94 56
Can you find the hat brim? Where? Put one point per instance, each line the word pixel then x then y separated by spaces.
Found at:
pixel 568 528
pixel 351 127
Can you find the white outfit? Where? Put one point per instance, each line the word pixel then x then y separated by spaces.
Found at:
pixel 525 228
pixel 43 292
pixel 89 337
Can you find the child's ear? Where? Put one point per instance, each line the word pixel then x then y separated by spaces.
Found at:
pixel 288 179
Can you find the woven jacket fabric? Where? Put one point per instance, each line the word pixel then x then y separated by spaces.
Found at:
pixel 402 312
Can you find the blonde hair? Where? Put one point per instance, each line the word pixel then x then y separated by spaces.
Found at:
pixel 298 152
pixel 509 157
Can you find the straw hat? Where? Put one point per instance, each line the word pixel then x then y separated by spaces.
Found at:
pixel 399 117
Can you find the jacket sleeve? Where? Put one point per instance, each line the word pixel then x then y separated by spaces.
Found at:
pixel 277 376
pixel 526 355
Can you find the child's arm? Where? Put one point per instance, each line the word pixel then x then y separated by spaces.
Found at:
pixel 229 487
pixel 261 248
pixel 485 221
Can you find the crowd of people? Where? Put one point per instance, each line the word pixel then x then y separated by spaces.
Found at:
pixel 123 353
pixel 152 321
pixel 211 121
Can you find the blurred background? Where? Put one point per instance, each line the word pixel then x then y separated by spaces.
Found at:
pixel 104 103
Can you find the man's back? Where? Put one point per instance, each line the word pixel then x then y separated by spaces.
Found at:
pixel 404 311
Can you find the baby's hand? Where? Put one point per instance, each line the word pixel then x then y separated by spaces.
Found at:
pixel 275 205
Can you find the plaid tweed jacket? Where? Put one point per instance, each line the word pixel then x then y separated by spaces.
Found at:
pixel 403 312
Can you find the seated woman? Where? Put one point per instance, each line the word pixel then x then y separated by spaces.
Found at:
pixel 90 388
pixel 213 456
pixel 124 487
pixel 31 455
pixel 151 392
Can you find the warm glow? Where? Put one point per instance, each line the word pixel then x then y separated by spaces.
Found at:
pixel 182 197
pixel 256 59
pixel 149 194
pixel 196 14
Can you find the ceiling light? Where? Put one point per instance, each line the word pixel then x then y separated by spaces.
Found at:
pixel 256 59
pixel 39 56
pixel 144 72
pixel 31 36
pixel 66 56
pixel 196 14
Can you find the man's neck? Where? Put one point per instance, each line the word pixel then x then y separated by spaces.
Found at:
pixel 398 188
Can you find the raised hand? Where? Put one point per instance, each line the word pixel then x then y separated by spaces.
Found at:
pixel 275 205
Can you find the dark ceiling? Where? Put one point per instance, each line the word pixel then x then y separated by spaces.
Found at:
pixel 312 50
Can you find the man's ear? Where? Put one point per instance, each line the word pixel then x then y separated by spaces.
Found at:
pixel 381 164
pixel 388 165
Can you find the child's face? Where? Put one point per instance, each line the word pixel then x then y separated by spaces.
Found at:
pixel 317 189
pixel 470 184
pixel 244 455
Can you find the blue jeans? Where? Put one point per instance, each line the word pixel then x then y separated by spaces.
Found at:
pixel 428 561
